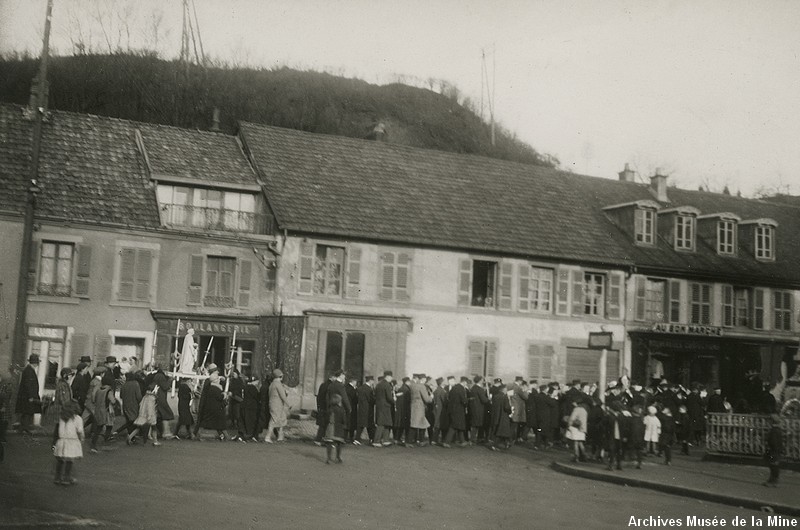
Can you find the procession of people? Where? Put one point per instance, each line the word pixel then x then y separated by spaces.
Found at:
pixel 623 421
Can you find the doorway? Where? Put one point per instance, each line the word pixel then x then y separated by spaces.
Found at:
pixel 345 351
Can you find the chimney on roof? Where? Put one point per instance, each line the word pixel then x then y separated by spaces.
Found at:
pixel 215 120
pixel 34 100
pixel 658 185
pixel 627 174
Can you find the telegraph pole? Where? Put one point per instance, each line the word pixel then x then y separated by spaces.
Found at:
pixel 39 104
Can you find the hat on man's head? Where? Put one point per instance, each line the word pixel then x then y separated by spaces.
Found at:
pixel 81 366
pixel 277 373
pixel 111 359
pixel 86 359
pixel 212 368
pixel 368 378
pixel 34 358
pixel 387 373
pixel 464 379
pixel 519 378
pixel 423 376
pixel 498 381
pixel 439 380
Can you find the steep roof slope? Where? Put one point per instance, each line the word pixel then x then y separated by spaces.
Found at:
pixel 339 186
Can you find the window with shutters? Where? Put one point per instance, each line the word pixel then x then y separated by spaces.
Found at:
pixel 593 294
pixel 220 275
pixel 540 362
pixel 782 310
pixel 135 273
pixel 728 306
pixel 478 284
pixel 483 283
pixel 759 298
pixel 684 232
pixel 741 307
pixel 395 276
pixel 765 242
pixel 55 268
pixel 674 309
pixel 645 226
pixel 328 270
pixel 535 289
pixel 482 357
pixel 655 307
pixel 726 237
pixel 700 303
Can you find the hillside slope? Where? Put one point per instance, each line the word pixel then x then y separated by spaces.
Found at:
pixel 146 88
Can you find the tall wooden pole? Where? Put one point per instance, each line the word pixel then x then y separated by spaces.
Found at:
pixel 39 104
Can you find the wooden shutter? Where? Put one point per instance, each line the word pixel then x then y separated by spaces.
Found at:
pixel 578 295
pixel 387 276
pixel 306 280
pixel 491 359
pixel 402 286
pixel 706 306
pixel 727 305
pixel 562 297
pixel 613 311
pixel 758 308
pixel 534 362
pixel 524 287
pixel 32 263
pixel 80 347
pixel 674 301
pixel 353 273
pixel 465 282
pixel 506 279
pixel 83 270
pixel 144 266
pixel 195 291
pixel 127 267
pixel 102 347
pixel 245 271
pixel 640 298
pixel 475 361
pixel 694 294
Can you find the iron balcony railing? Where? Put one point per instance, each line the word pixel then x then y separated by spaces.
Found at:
pixel 214 219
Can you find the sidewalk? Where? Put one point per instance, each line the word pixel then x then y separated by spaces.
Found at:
pixel 733 484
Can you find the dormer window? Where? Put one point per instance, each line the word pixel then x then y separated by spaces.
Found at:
pixel 209 209
pixel 726 237
pixel 684 232
pixel 765 242
pixel 644 225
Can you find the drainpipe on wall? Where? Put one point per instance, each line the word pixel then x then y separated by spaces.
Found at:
pixel 39 109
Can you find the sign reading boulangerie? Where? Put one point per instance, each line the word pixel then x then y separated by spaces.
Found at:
pixel 688 329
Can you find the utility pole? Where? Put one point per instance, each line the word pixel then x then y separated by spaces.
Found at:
pixel 39 104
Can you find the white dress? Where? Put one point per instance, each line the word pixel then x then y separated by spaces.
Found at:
pixel 70 436
pixel 652 428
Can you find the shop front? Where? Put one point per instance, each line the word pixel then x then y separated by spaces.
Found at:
pixel 708 356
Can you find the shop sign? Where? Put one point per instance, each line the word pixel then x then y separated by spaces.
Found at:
pixel 36 332
pixel 600 340
pixel 216 328
pixel 688 329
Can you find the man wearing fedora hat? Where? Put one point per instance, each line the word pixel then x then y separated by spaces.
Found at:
pixel 28 400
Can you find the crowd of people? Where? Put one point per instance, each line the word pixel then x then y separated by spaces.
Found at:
pixel 597 425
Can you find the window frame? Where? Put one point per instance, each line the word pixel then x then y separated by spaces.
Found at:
pixel 764 244
pixel 196 208
pixel 726 237
pixel 701 304
pixel 643 235
pixel 535 304
pixel 782 316
pixel 685 223
pixel 216 298
pixel 652 307
pixel 52 289
pixel 492 284
pixel 591 302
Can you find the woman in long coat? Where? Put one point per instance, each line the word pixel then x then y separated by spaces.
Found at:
pixel 501 422
pixel 402 413
pixel 420 397
pixel 163 409
pixel 212 413
pixel 278 406
pixel 250 410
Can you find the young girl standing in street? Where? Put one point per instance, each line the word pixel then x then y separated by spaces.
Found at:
pixel 68 446
pixel 334 433
pixel 147 417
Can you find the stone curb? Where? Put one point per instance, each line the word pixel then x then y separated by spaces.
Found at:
pixel 626 480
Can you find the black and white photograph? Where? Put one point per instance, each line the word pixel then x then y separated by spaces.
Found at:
pixel 460 264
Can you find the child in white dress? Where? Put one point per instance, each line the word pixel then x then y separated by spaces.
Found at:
pixel 652 429
pixel 69 446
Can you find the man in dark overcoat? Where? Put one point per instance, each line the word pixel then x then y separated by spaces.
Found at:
pixel 365 417
pixel 402 412
pixel 440 417
pixel 478 401
pixel 108 377
pixel 457 407
pixel 28 400
pixel 384 403
pixel 80 383
pixel 337 386
pixel 322 409
pixel 531 418
pixel 352 421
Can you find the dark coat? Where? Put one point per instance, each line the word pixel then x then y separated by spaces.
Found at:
pixel 531 419
pixel 352 396
pixel 636 440
pixel 694 407
pixel 336 424
pixel 109 380
pixel 384 404
pixel 28 400
pixel 667 429
pixel 716 403
pixel 337 387
pixel 402 408
pixel 236 389
pixel 80 387
pixel 263 408
pixel 543 413
pixel 366 406
pixel 212 415
pixel 501 408
pixel 131 396
pixel 322 403
pixel 441 420
pixel 163 410
pixel 457 407
pixel 774 446
pixel 478 400
pixel 250 410
pixel 184 400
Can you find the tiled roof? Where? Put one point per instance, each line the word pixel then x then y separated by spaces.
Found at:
pixel 199 155
pixel 358 189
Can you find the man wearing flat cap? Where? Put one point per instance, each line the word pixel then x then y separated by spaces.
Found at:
pixel 28 400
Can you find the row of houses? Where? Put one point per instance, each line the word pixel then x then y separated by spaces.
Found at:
pixel 317 252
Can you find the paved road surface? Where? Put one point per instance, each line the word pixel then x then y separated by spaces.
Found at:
pixel 231 485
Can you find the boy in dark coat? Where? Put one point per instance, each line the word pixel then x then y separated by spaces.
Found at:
pixel 774 451
pixel 335 430
pixel 667 437
pixel 184 410
pixel 636 440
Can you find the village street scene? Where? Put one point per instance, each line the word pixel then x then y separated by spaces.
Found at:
pixel 271 264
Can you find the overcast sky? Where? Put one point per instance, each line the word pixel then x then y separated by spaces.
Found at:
pixel 707 90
